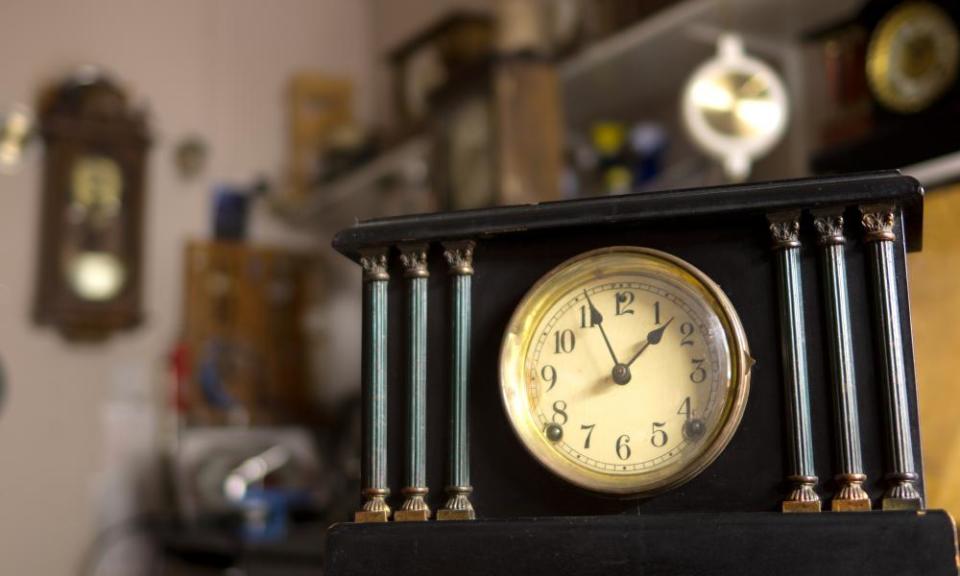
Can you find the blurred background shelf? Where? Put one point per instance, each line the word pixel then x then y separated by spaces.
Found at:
pixel 392 182
pixel 646 64
pixel 639 73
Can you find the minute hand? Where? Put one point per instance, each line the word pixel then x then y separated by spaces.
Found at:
pixel 596 318
pixel 652 338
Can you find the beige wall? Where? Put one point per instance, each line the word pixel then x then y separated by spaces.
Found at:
pixel 934 275
pixel 212 67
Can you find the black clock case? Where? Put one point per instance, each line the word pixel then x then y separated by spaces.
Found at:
pixel 723 231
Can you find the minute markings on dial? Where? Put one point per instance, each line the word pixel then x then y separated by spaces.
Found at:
pixel 573 444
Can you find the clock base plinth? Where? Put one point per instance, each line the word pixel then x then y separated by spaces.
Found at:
pixel 845 505
pixel 800 506
pixel 445 514
pixel 367 516
pixel 893 504
pixel 411 515
pixel 720 544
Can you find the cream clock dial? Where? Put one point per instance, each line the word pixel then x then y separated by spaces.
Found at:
pixel 625 370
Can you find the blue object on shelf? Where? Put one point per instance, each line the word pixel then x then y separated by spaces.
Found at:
pixel 230 209
pixel 264 514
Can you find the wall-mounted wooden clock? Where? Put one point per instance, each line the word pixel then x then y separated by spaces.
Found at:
pixel 89 274
pixel 703 381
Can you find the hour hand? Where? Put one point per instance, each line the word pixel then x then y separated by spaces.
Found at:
pixel 653 337
pixel 656 334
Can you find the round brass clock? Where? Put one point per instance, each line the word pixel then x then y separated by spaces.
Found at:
pixel 625 371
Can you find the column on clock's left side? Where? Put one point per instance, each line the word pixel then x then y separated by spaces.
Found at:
pixel 413 257
pixel 374 381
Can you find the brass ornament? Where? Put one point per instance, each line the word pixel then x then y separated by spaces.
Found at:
pixel 374 266
pixel 414 260
pixel 414 508
pixel 375 508
pixel 459 256
pixel 458 507
pixel 803 497
pixel 902 493
pixel 851 497
pixel 785 230
pixel 878 223
pixel 829 228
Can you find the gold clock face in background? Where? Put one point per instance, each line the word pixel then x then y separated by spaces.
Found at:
pixel 913 57
pixel 625 371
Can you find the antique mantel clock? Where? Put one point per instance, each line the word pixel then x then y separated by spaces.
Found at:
pixel 701 381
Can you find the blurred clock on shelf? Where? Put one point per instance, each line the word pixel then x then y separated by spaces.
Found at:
pixel 89 280
pixel 735 107
pixel 471 154
pixel 497 135
pixel 891 73
pixel 442 53
pixel 912 57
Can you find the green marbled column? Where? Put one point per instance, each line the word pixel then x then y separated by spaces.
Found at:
pixel 374 466
pixel 785 233
pixel 459 256
pixel 850 495
pixel 414 508
pixel 902 477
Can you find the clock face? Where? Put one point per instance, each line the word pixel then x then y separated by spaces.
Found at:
pixel 625 370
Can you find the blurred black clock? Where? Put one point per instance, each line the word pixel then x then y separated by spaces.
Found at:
pixel 893 72
pixel 912 57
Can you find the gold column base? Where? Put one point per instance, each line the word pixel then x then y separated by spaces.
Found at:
pixel 414 508
pixel 364 516
pixel 902 493
pixel 445 514
pixel 458 506
pixel 375 508
pixel 803 497
pixel 893 504
pixel 851 497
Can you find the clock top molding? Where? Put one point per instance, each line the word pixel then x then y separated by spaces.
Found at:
pixel 852 190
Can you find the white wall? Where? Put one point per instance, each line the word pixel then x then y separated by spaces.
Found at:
pixel 213 67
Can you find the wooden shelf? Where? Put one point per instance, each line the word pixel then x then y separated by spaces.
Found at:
pixel 350 197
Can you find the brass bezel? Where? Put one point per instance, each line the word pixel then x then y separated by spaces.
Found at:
pixel 559 281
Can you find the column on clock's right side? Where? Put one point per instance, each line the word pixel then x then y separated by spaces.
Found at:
pixel 879 235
